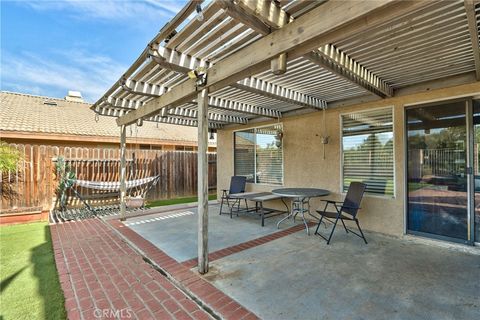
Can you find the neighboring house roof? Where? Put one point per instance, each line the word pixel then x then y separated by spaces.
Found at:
pixel 25 113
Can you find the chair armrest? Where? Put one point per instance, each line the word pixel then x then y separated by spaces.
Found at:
pixel 350 207
pixel 331 201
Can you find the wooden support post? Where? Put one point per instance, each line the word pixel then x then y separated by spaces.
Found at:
pixel 202 121
pixel 123 172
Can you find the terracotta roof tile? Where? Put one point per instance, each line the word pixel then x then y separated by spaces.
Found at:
pixel 28 113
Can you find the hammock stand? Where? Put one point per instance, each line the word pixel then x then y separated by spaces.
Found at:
pixel 141 187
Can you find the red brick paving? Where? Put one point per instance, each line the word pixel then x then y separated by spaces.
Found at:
pixel 99 271
pixel 247 245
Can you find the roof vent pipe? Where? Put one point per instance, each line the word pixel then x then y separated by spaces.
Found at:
pixel 74 96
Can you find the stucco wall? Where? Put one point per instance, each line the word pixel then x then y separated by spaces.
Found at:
pixel 304 165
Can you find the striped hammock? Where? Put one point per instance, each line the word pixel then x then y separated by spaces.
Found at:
pixel 114 185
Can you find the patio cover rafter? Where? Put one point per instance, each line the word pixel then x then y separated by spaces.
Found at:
pixel 183 122
pixel 167 29
pixel 273 91
pixel 473 30
pixel 229 105
pixel 142 88
pixel 327 23
pixel 130 104
pixel 183 63
pixel 212 116
pixel 327 57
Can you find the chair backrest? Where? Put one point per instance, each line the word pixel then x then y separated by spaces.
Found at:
pixel 354 197
pixel 237 184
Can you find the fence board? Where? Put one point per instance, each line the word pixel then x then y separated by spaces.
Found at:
pixel 35 182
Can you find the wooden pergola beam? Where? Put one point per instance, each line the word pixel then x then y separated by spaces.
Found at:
pixel 473 30
pixel 263 16
pixel 327 57
pixel 176 61
pixel 339 63
pixel 167 29
pixel 183 63
pixel 325 24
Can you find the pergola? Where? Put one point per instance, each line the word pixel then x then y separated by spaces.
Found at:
pixel 261 59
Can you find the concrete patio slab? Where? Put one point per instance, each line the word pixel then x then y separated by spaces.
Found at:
pixel 175 233
pixel 300 277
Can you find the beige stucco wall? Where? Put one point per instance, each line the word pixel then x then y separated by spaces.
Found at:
pixel 304 165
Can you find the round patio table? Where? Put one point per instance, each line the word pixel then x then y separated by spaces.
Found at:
pixel 300 197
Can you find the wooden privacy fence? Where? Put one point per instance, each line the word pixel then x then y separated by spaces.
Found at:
pixel 34 182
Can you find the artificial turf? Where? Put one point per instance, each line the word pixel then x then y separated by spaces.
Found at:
pixel 30 288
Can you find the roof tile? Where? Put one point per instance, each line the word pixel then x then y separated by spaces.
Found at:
pixel 28 113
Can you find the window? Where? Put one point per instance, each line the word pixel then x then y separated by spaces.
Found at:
pixel 258 154
pixel 367 140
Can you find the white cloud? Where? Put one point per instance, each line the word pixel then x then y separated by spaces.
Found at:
pixel 90 74
pixel 109 9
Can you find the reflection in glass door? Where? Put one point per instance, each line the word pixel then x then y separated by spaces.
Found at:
pixel 437 200
pixel 476 166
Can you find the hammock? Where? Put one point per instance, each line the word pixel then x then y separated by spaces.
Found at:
pixel 114 185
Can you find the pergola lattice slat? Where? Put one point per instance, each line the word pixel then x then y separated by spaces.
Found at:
pixel 296 39
pixel 143 88
pixel 183 63
pixel 327 56
pixel 473 30
pixel 212 116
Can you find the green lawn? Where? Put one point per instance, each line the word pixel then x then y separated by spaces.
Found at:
pixel 168 202
pixel 30 288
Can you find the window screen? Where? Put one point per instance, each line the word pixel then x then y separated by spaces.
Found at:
pixel 367 139
pixel 258 155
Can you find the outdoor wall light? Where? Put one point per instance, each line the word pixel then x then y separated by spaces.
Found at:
pixel 279 138
pixel 199 16
pixel 325 137
pixel 212 131
pixel 200 74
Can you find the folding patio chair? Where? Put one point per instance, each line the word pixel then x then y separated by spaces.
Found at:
pixel 346 210
pixel 237 185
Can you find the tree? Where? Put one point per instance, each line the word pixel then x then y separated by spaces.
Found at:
pixel 9 159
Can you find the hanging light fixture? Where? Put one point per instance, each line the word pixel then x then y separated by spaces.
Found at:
pixel 279 135
pixel 199 16
pixel 212 131
pixel 325 137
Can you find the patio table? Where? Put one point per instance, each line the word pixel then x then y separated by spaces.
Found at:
pixel 258 198
pixel 300 198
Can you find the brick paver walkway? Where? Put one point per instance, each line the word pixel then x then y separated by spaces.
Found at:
pixel 104 278
pixel 221 305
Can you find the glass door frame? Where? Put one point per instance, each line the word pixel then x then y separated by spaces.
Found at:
pixel 469 174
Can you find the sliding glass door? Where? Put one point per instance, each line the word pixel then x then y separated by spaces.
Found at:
pixel 438 169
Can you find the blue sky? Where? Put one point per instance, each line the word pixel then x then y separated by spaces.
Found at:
pixel 50 47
